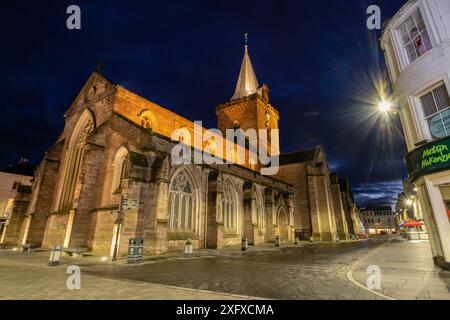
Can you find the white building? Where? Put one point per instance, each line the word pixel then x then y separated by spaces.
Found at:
pixel 12 179
pixel 416 42
pixel 378 219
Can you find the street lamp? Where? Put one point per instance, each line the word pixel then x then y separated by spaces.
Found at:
pixel 384 106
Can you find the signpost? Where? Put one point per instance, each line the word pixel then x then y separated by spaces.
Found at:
pixel 124 205
pixel 128 204
pixel 430 158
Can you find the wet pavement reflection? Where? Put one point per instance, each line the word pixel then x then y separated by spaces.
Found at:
pixel 308 272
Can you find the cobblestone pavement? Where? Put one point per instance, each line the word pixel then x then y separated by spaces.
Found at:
pixel 308 271
pixel 22 280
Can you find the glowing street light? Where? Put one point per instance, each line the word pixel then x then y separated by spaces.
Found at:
pixel 409 202
pixel 384 106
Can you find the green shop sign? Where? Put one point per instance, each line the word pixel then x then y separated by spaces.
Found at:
pixel 430 158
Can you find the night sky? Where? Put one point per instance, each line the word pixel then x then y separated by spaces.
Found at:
pixel 320 61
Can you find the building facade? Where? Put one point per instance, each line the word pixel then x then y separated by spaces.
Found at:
pixel 378 219
pixel 416 43
pixel 407 206
pixel 15 188
pixel 111 176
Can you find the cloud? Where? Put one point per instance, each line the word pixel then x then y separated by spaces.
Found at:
pixel 384 192
pixel 311 114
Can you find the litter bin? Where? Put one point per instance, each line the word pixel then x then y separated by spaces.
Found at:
pixel 135 250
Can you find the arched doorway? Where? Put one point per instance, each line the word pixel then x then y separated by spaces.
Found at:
pixel 283 225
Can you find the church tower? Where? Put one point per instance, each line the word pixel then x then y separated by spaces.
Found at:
pixel 249 107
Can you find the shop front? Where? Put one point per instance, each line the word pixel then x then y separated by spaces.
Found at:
pixel 429 170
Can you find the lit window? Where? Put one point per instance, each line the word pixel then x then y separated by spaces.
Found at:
pixel 435 106
pixel 181 203
pixel 228 206
pixel 148 120
pixel 119 169
pixel 414 35
pixel 260 216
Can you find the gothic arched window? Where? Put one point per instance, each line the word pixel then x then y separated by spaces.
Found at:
pixel 119 167
pixel 260 212
pixel 75 150
pixel 228 206
pixel 181 203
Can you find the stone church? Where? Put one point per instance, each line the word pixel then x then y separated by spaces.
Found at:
pixel 116 146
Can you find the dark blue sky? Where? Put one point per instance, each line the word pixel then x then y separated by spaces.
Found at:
pixel 317 57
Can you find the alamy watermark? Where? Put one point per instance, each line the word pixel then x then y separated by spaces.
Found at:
pixel 374 20
pixel 73 22
pixel 74 280
pixel 374 278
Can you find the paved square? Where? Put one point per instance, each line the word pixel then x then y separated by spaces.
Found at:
pixel 308 271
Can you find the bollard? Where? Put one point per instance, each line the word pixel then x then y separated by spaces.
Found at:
pixel 277 241
pixel 55 254
pixel 244 243
pixel 188 247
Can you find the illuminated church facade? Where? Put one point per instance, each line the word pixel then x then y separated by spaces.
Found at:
pixel 116 147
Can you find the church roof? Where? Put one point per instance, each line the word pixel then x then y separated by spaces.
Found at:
pixel 299 156
pixel 247 83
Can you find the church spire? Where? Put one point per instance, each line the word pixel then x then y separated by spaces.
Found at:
pixel 247 83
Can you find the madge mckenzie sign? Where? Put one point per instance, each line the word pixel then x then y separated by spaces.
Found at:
pixel 432 157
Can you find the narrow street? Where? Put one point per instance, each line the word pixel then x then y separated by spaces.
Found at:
pixel 308 271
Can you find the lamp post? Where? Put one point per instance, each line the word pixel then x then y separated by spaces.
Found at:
pixel 118 222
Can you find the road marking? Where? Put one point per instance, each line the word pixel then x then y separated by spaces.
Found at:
pixel 281 266
pixel 354 265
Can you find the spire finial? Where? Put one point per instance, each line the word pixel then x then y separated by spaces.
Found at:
pixel 247 83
